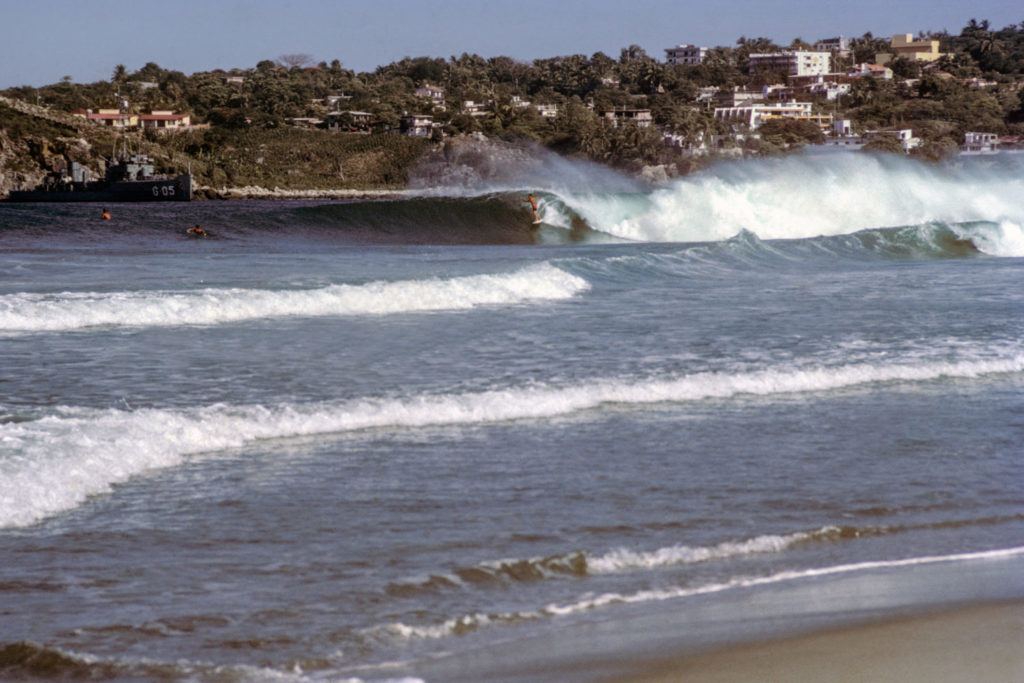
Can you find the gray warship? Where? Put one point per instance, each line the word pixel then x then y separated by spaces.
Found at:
pixel 129 178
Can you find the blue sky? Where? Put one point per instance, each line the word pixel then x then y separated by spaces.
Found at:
pixel 41 42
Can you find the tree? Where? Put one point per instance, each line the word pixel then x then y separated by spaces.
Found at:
pixel 785 132
pixel 295 60
pixel 887 144
pixel 119 75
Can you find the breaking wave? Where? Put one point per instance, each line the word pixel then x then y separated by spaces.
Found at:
pixel 54 462
pixel 810 196
pixel 34 312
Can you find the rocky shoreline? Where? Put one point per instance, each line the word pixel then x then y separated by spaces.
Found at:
pixel 253 192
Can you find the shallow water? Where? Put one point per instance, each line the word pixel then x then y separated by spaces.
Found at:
pixel 344 439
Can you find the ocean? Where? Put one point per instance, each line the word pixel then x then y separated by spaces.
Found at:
pixel 413 439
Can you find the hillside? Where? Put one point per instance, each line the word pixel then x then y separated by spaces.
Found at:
pixel 304 127
pixel 36 140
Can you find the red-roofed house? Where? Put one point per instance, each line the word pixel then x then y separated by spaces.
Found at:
pixel 873 70
pixel 109 117
pixel 164 120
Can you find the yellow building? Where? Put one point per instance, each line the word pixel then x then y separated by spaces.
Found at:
pixel 114 118
pixel 904 45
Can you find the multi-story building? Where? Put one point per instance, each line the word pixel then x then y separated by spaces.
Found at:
pixel 904 45
pixel 690 55
pixel 641 117
pixel 737 97
pixel 980 142
pixel 417 125
pixel 793 62
pixel 753 115
pixel 839 45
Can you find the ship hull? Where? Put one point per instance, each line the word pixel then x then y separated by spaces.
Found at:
pixel 178 189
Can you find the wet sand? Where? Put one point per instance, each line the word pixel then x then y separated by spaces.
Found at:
pixel 979 644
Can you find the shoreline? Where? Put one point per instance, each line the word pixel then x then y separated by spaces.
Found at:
pixel 906 622
pixel 982 643
pixel 206 193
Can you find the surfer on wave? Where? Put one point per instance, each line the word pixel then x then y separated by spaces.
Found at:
pixel 196 231
pixel 533 204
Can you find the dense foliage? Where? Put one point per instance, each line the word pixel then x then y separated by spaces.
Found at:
pixel 245 106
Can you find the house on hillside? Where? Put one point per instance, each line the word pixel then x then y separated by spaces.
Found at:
pixel 641 117
pixel 690 55
pixel 753 115
pixel 872 70
pixel 114 118
pixel 840 46
pixel 737 97
pixel 792 62
pixel 980 143
pixel 904 45
pixel 417 125
pixel 349 121
pixel 433 93
pixel 164 120
pixel 547 111
pixel 477 109
pixel 905 136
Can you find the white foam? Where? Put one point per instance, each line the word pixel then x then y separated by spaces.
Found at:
pixel 34 312
pixel 1003 239
pixel 808 196
pixel 54 463
pixel 589 602
pixel 627 560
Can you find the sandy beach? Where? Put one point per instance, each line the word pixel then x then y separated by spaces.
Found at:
pixel 979 643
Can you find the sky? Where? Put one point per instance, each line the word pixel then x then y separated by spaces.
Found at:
pixel 42 42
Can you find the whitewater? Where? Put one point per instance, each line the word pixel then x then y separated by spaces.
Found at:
pixel 417 438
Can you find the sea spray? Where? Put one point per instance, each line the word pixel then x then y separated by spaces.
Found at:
pixel 807 196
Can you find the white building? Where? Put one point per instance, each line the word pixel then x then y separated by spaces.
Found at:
pixel 433 93
pixel 831 91
pixel 417 125
pixel 793 62
pixel 477 109
pixel 905 136
pixel 753 115
pixel 690 55
pixel 872 70
pixel 840 45
pixel 980 143
pixel 641 117
pixel 547 111
pixel 842 128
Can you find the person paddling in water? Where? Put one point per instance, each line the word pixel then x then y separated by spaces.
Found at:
pixel 533 204
pixel 196 231
pixel 105 215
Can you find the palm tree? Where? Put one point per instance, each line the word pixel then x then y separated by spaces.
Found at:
pixel 119 76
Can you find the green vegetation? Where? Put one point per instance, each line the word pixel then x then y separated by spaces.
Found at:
pixel 250 116
pixel 292 158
